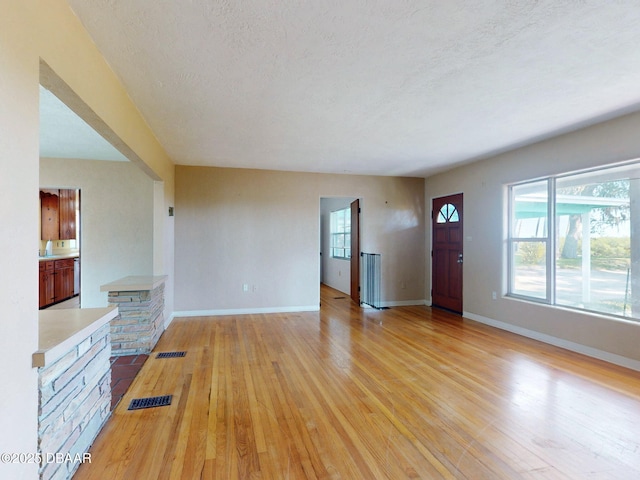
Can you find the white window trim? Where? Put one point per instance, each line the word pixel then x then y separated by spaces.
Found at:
pixel 550 242
pixel 333 234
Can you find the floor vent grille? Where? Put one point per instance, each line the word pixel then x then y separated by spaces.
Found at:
pixel 171 354
pixel 150 402
pixel 339 298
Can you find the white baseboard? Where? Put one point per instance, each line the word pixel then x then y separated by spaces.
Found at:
pixel 404 303
pixel 558 342
pixel 249 311
pixel 243 311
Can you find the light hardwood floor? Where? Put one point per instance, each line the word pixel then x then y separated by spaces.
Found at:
pixel 408 392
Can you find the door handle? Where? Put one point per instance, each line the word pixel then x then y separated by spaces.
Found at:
pixel 460 258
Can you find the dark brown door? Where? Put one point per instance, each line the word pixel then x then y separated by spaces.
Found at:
pixel 355 251
pixel 447 252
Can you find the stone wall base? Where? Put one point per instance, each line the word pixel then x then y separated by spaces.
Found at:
pixel 140 320
pixel 74 404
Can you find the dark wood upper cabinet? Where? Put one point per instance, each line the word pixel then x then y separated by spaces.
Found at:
pixel 67 214
pixel 49 207
pixel 58 214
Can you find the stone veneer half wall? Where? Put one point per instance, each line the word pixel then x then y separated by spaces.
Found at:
pixel 140 321
pixel 74 404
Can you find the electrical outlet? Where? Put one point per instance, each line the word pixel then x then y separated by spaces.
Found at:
pixel 245 287
pixel 494 295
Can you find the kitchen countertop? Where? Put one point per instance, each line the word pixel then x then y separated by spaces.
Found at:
pixel 62 330
pixel 59 257
pixel 134 283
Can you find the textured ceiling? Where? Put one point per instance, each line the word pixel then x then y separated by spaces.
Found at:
pixel 360 86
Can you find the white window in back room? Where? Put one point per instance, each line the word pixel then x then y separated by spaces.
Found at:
pixel 341 233
pixel 588 256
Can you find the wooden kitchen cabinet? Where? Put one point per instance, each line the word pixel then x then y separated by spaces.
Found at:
pixel 58 214
pixel 63 271
pixel 47 283
pixel 67 214
pixel 50 216
pixel 56 281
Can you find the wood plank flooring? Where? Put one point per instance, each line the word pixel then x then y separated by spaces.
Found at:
pixel 408 392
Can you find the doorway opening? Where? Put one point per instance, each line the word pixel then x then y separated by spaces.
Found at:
pixel 340 245
pixel 59 249
pixel 79 151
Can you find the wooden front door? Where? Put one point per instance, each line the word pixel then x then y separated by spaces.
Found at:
pixel 355 251
pixel 447 258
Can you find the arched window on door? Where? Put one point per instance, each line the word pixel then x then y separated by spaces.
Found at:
pixel 448 214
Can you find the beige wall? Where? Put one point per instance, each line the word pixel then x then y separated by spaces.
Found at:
pixel 30 31
pixel 116 220
pixel 261 228
pixel 484 186
pixel 18 201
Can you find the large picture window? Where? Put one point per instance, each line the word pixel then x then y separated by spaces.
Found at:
pixel 574 240
pixel 341 233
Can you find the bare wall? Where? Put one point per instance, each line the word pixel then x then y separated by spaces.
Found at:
pixel 484 184
pixel 261 228
pixel 19 203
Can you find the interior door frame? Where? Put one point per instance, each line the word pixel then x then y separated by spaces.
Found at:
pixel 355 251
pixel 354 204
